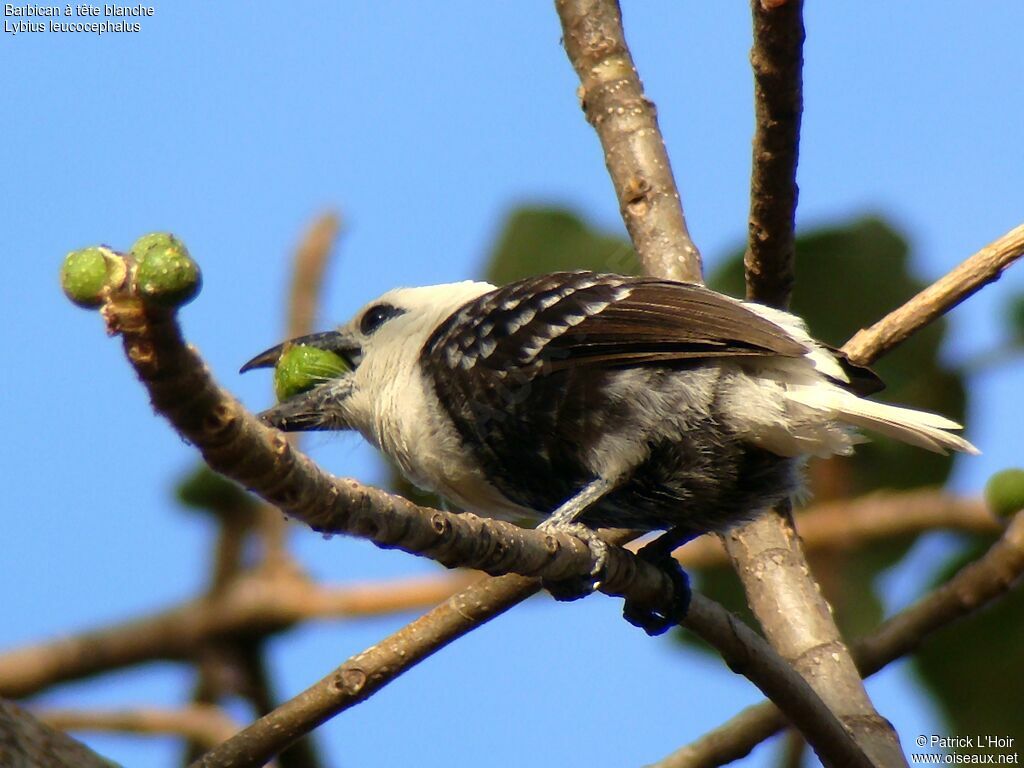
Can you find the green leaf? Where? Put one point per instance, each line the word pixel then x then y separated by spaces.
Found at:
pixel 536 240
pixel 204 489
pixel 1015 317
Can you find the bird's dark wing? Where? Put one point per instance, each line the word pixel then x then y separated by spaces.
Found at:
pixel 582 318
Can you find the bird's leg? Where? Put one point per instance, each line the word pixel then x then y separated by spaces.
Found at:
pixel 659 554
pixel 565 520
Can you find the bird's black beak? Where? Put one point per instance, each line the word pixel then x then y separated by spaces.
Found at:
pixel 337 342
pixel 321 408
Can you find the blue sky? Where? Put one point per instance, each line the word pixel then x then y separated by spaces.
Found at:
pixel 233 124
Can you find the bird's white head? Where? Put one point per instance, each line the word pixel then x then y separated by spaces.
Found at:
pixel 381 344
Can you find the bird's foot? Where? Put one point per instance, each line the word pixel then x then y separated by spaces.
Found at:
pixel 580 586
pixel 657 620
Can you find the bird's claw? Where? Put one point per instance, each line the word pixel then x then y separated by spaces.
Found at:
pixel 657 620
pixel 566 590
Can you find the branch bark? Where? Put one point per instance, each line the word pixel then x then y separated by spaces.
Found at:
pixel 964 280
pixel 766 552
pixel 777 61
pixel 25 741
pixel 205 724
pixel 256 604
pixel 626 122
pixel 974 586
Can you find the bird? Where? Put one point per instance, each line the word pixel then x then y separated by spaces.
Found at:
pixel 584 400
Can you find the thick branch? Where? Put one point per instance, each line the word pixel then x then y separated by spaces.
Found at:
pixel 798 622
pixel 777 60
pixel 613 100
pixel 974 586
pixel 969 276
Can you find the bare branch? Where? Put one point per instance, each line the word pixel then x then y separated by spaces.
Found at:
pixel 969 276
pixel 853 523
pixel 310 265
pixel 361 676
pixel 777 60
pixel 766 552
pixel 974 586
pixel 364 674
pixel 256 604
pixel 798 622
pixel 205 724
pixel 311 258
pixel 613 101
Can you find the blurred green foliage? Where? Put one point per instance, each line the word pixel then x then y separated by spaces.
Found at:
pixel 975 667
pixel 538 240
pixel 203 489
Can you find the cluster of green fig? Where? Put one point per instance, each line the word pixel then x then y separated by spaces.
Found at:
pixel 158 263
pixel 163 273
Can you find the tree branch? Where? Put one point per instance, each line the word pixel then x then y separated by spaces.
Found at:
pixel 969 276
pixel 363 675
pixel 766 552
pixel 310 264
pixel 777 61
pixel 255 604
pixel 853 523
pixel 974 586
pixel 263 604
pixel 798 622
pixel 205 724
pixel 626 122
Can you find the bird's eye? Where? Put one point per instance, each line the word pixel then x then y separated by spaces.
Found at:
pixel 376 316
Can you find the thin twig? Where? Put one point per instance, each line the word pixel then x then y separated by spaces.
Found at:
pixel 205 724
pixel 777 61
pixel 613 101
pixel 974 586
pixel 969 276
pixel 361 676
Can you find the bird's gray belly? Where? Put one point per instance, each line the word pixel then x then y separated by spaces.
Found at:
pixel 695 472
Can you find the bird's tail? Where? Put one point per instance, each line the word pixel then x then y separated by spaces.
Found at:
pixel 920 428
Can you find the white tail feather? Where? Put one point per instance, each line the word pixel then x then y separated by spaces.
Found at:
pixel 920 428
